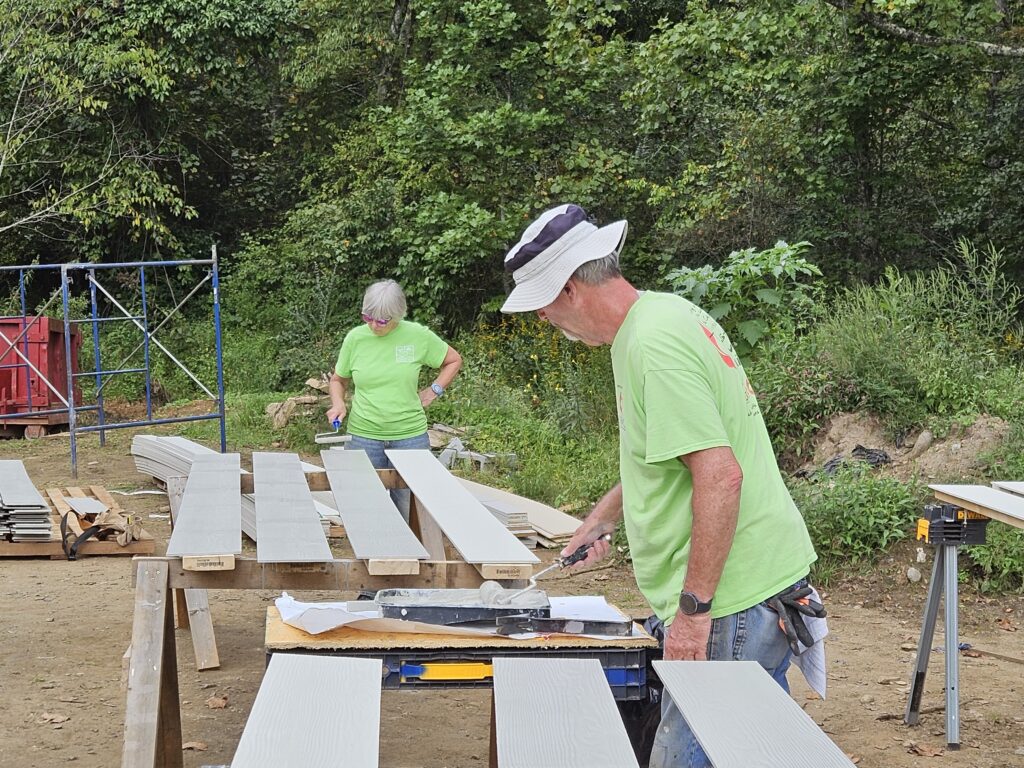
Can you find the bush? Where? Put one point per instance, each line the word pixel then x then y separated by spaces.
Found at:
pixel 753 292
pixel 1000 562
pixel 923 345
pixel 854 515
pixel 999 565
pixel 562 381
pixel 796 393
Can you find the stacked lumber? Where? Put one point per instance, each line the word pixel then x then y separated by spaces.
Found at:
pixel 551 527
pixel 509 515
pixel 24 513
pixel 94 497
pixel 161 457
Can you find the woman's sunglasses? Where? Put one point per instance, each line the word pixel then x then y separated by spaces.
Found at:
pixel 380 323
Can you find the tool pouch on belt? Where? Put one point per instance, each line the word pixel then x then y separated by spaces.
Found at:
pixel 105 525
pixel 792 604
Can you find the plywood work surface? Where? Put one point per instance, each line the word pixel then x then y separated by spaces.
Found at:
pixel 288 528
pixel 471 529
pixel 281 636
pixel 743 718
pixel 550 712
pixel 314 711
pixel 373 524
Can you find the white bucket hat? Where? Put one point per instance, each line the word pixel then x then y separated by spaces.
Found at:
pixel 551 249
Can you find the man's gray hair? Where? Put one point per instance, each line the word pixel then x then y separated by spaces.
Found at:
pixel 385 299
pixel 597 271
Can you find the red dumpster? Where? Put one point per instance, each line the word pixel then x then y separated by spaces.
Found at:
pixel 22 390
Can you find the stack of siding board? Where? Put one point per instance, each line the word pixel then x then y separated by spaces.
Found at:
pixel 551 527
pixel 24 514
pixel 162 457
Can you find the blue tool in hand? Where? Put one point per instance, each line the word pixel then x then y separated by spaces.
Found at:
pixel 332 438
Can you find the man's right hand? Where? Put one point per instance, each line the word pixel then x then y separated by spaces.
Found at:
pixel 687 637
pixel 597 552
pixel 336 413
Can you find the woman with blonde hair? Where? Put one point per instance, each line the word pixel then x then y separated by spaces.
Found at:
pixel 381 360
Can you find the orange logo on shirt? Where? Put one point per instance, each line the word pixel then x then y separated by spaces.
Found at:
pixel 725 358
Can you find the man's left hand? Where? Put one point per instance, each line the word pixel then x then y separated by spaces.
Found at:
pixel 427 396
pixel 687 637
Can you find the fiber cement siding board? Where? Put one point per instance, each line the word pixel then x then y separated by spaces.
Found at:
pixel 743 719
pixel 314 711
pixel 373 524
pixel 288 528
pixel 557 712
pixel 993 502
pixel 209 521
pixel 471 529
pixel 1016 488
pixel 546 520
pixel 16 488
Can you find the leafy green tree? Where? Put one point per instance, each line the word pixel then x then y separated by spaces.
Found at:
pixel 126 122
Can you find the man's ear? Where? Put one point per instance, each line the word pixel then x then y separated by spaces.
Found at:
pixel 571 290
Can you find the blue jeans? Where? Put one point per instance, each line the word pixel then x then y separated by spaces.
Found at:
pixel 375 453
pixel 750 635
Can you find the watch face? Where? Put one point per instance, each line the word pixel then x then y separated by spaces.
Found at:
pixel 687 603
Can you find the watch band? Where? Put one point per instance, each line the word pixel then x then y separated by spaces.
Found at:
pixel 437 389
pixel 690 604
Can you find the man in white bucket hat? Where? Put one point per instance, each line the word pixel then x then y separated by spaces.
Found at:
pixel 715 538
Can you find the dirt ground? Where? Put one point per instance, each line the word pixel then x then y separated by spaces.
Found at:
pixel 65 627
pixel 955 457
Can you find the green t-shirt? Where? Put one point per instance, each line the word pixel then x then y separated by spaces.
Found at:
pixel 680 388
pixel 385 371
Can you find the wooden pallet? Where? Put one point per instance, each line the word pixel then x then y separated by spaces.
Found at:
pixel 58 507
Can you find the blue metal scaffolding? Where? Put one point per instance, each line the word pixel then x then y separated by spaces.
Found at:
pixel 100 376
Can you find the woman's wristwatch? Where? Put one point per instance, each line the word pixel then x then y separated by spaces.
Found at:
pixel 437 389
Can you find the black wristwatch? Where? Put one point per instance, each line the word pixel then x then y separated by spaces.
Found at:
pixel 689 604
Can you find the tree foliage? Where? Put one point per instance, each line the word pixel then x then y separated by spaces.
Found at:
pixel 325 143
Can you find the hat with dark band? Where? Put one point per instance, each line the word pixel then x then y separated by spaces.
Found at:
pixel 551 249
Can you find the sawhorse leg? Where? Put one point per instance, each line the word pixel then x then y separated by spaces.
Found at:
pixel 944 580
pixel 192 606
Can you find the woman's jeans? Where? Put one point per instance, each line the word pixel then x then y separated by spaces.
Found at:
pixel 750 635
pixel 375 452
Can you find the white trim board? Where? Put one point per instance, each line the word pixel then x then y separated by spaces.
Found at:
pixel 288 528
pixel 477 535
pixel 374 526
pixel 557 712
pixel 743 718
pixel 314 711
pixel 209 521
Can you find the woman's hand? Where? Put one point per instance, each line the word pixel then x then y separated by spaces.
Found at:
pixel 336 413
pixel 427 396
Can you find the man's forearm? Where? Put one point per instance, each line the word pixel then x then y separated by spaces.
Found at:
pixel 606 513
pixel 715 512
